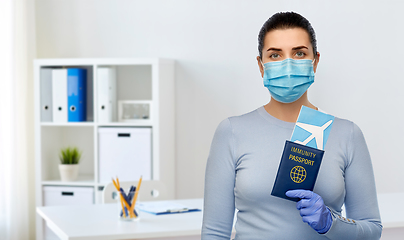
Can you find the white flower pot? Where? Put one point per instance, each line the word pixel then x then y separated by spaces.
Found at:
pixel 68 172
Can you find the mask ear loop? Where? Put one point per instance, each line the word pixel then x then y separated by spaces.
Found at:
pixel 262 64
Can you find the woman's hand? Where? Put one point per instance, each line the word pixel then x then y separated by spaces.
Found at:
pixel 312 209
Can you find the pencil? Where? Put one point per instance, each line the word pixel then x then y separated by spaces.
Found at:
pixel 117 181
pixel 124 201
pixel 121 198
pixel 116 186
pixel 136 193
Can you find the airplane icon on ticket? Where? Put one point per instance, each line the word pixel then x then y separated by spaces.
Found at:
pixel 312 128
pixel 316 132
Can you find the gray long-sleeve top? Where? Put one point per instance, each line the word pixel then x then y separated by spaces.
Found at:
pixel 241 170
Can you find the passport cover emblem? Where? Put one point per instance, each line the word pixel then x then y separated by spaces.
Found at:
pixel 298 174
pixel 302 156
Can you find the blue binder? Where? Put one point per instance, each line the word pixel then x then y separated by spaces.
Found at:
pixel 76 94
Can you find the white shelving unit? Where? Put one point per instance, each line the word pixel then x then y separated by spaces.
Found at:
pixel 137 79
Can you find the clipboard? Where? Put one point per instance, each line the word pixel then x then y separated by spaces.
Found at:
pixel 165 207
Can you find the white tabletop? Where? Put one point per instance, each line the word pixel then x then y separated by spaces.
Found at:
pixel 391 209
pixel 102 222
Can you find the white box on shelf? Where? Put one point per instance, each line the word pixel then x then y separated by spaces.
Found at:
pixel 134 110
pixel 124 153
pixel 57 196
pixel 60 196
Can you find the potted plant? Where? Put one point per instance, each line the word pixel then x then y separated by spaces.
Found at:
pixel 69 163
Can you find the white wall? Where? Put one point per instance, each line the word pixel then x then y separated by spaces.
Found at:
pixel 360 74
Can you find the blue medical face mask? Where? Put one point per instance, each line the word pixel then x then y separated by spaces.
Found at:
pixel 289 79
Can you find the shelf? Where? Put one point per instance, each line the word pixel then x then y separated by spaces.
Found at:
pixel 127 124
pixel 68 124
pixel 135 80
pixel 85 180
pixel 100 61
pixel 90 124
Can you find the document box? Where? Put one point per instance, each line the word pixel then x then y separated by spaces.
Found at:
pixel 61 196
pixel 124 153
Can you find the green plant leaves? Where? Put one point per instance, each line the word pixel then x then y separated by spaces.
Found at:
pixel 70 155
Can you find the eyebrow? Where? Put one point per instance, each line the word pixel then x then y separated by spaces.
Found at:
pixel 274 49
pixel 299 47
pixel 280 50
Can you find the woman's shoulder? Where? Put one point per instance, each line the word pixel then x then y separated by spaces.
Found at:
pixel 345 128
pixel 239 120
pixel 243 119
pixel 341 123
pixel 246 116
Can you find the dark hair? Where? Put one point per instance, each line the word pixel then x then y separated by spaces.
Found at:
pixel 286 20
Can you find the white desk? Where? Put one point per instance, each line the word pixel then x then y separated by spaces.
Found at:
pixel 101 222
pixel 391 209
pixel 392 214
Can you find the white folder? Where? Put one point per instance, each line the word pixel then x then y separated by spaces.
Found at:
pixel 106 89
pixel 46 94
pixel 59 95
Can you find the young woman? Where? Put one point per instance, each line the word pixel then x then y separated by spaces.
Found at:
pixel 246 152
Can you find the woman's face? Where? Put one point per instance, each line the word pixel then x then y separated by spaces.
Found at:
pixel 287 43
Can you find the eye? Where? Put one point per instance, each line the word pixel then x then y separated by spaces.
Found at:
pixel 274 56
pixel 300 54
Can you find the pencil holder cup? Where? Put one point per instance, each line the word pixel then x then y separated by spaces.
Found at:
pixel 126 212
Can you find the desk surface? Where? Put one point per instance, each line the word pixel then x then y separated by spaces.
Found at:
pixel 101 222
pixel 391 209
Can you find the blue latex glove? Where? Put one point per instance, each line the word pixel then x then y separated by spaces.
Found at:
pixel 312 209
